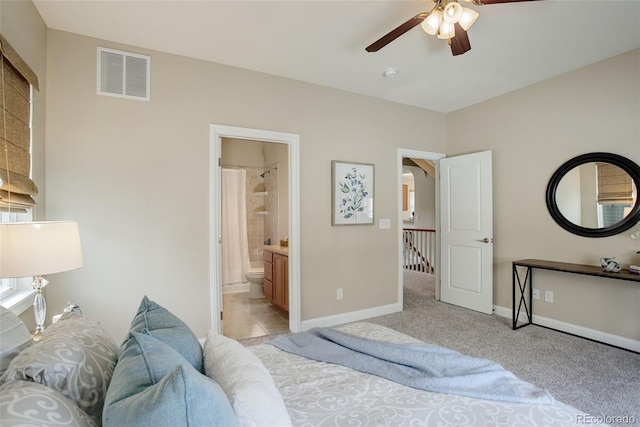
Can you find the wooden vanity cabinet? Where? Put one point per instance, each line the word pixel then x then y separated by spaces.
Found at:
pixel 276 278
pixel 268 275
pixel 281 281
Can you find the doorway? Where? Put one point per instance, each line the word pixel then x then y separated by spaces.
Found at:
pixel 255 216
pixel 464 224
pixel 291 169
pixel 418 207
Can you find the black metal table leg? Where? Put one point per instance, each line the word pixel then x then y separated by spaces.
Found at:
pixel 522 288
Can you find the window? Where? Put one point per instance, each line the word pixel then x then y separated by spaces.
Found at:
pixel 15 291
pixel 611 214
pixel 616 193
pixel 7 286
pixel 17 82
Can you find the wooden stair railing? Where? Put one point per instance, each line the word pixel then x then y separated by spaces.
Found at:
pixel 419 249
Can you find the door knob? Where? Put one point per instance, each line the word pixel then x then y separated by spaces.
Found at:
pixel 486 240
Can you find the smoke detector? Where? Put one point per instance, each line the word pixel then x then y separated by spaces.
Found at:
pixel 390 73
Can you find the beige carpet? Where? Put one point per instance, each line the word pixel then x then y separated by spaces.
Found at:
pixel 593 377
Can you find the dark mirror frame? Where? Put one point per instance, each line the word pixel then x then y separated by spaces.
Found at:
pixel 622 162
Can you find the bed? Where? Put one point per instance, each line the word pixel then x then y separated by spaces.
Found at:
pixel 325 394
pixel 162 374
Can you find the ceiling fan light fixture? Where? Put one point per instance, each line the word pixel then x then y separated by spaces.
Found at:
pixel 452 12
pixel 446 31
pixel 468 17
pixel 432 22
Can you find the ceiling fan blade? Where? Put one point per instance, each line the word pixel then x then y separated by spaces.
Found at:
pixel 394 34
pixel 485 2
pixel 460 43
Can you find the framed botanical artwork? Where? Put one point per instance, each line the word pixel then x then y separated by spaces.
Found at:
pixel 352 188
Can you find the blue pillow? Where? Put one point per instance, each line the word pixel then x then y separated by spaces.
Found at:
pixel 154 385
pixel 157 321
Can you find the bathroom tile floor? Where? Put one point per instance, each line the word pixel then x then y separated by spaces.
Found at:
pixel 248 318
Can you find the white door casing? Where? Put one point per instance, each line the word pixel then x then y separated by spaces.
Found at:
pixel 466 231
pixel 217 132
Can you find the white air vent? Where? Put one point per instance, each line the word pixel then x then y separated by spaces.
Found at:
pixel 123 74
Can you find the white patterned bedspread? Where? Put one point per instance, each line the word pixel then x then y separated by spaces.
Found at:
pixel 322 394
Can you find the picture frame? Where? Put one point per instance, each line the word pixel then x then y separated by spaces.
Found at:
pixel 352 193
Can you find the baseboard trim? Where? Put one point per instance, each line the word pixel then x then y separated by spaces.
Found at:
pixel 581 331
pixel 506 312
pixel 353 316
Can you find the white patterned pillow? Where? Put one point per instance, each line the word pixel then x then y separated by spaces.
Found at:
pixel 246 382
pixel 14 337
pixel 23 403
pixel 76 357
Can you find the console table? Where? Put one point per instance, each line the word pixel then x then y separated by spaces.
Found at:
pixel 565 267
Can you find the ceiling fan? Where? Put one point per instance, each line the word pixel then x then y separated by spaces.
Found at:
pixel 448 20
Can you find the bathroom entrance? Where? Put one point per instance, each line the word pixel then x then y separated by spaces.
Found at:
pixel 292 268
pixel 255 217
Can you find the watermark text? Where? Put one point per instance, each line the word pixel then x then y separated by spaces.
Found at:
pixel 605 419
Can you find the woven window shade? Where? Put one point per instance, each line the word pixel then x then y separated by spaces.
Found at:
pixel 16 186
pixel 615 186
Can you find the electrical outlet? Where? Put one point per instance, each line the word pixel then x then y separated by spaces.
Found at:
pixel 548 296
pixel 536 293
pixel 339 294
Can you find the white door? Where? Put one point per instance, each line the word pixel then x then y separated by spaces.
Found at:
pixel 466 231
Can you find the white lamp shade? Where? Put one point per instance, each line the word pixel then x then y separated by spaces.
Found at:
pixel 468 17
pixel 39 248
pixel 432 22
pixel 452 12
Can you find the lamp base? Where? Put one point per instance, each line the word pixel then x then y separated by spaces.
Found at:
pixel 36 335
pixel 39 306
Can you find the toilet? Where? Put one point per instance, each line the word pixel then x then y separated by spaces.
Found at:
pixel 255 276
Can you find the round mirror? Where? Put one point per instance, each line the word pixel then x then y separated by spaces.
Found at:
pixel 595 195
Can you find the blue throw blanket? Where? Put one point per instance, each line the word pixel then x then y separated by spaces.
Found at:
pixel 422 366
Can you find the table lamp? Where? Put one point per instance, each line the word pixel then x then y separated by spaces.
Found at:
pixel 36 249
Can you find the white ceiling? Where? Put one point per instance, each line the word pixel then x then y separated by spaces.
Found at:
pixel 323 42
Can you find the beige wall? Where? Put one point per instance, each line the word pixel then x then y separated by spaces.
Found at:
pixel 425 196
pixel 136 176
pixel 24 29
pixel 531 132
pixel 408 181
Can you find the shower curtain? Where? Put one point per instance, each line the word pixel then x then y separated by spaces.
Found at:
pixel 235 245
